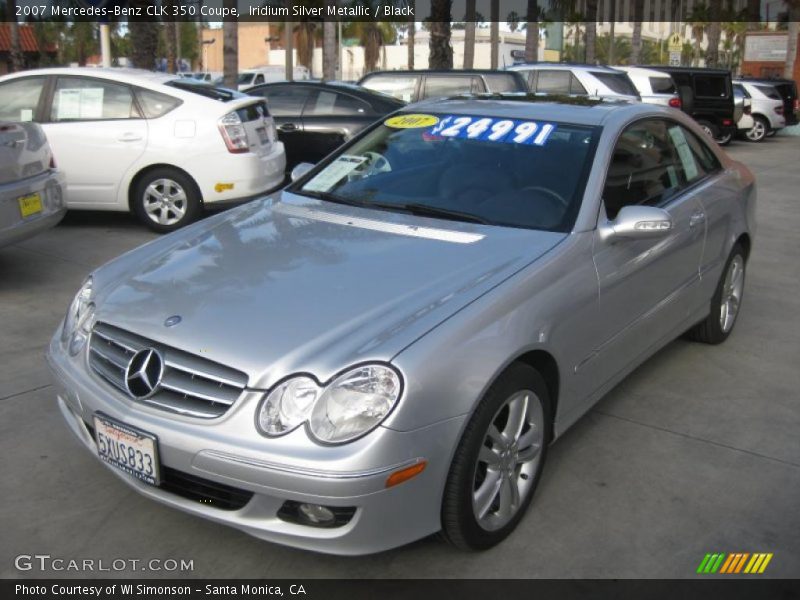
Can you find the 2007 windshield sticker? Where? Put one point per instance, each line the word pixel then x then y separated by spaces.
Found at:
pixel 411 121
pixel 506 131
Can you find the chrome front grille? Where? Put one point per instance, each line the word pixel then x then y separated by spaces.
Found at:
pixel 190 385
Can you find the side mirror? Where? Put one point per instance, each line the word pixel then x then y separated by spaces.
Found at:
pixel 638 222
pixel 300 170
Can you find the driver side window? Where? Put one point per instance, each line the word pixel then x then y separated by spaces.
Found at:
pixel 644 168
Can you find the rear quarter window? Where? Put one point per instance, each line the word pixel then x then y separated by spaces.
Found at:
pixel 662 85
pixel 155 104
pixel 617 82
pixel 769 92
pixel 402 87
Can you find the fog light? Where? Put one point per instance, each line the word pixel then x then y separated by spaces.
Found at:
pixel 316 514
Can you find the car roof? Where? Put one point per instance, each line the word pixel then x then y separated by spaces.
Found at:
pixel 437 72
pixel 564 66
pixel 700 70
pixel 579 110
pixel 644 71
pixel 334 85
pixel 124 75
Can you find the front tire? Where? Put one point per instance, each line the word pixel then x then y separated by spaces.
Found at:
pixel 166 199
pixel 725 303
pixel 498 461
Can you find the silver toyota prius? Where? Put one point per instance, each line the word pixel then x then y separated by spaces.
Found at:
pixel 386 348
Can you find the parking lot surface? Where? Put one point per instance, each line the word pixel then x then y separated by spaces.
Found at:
pixel 696 452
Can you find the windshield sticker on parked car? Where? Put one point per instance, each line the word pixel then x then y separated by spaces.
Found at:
pixel 334 173
pixel 489 129
pixel 411 121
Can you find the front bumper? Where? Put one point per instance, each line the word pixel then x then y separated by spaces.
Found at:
pixel 228 451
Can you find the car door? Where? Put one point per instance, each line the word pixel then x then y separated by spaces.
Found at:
pixel 285 103
pixel 648 288
pixel 330 118
pixel 97 134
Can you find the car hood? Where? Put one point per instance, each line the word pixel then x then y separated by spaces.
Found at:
pixel 290 284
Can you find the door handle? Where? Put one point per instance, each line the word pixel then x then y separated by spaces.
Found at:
pixel 696 219
pixel 287 127
pixel 129 137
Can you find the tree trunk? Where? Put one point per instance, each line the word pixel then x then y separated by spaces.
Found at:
pixel 441 52
pixel 590 36
pixel 712 50
pixel 230 48
pixel 329 47
pixel 612 17
pixel 532 32
pixel 494 33
pixel 16 61
pixel 636 39
pixel 170 41
pixel 412 31
pixel 793 32
pixel 288 44
pixel 469 35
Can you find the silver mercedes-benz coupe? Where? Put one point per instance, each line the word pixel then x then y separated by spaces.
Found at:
pixel 386 348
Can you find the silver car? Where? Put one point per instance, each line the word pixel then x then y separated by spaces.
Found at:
pixel 31 189
pixel 386 348
pixel 767 108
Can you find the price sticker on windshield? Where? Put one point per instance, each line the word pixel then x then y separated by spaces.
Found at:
pixel 491 129
pixel 411 121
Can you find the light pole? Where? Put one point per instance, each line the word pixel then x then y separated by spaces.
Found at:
pixel 206 44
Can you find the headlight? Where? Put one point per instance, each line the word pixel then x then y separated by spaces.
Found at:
pixel 350 406
pixel 78 319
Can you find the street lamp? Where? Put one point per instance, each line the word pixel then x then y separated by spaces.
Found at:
pixel 206 44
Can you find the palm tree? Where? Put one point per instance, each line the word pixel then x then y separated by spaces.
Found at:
pixel 412 30
pixel 230 48
pixel 329 56
pixel 636 39
pixel 469 35
pixel 372 35
pixel 793 7
pixel 698 21
pixel 170 38
pixel 441 52
pixel 513 21
pixel 714 34
pixel 591 30
pixel 494 33
pixel 532 32
pixel 306 32
pixel 15 51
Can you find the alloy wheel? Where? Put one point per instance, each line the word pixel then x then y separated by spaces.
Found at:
pixel 757 132
pixel 165 201
pixel 508 460
pixel 731 294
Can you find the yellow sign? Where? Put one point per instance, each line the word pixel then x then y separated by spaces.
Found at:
pixel 221 187
pixel 675 43
pixel 411 121
pixel 30 205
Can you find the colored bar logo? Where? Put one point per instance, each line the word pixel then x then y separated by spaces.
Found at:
pixel 734 563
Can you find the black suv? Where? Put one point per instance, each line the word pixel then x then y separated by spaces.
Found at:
pixel 706 95
pixel 411 86
pixel 787 88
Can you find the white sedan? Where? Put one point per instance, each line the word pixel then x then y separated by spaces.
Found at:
pixel 157 145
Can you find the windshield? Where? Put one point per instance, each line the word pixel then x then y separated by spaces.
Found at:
pixel 245 78
pixel 490 170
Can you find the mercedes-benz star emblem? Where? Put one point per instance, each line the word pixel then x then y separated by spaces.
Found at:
pixel 172 321
pixel 144 373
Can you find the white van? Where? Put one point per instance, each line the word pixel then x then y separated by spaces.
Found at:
pixel 252 77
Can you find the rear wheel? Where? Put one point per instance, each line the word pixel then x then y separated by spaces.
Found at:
pixel 166 199
pixel 498 461
pixel 759 130
pixel 725 303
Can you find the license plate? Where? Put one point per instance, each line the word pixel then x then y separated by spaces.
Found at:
pixel 262 135
pixel 128 449
pixel 30 205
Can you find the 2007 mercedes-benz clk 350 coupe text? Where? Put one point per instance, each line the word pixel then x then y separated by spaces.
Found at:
pixel 385 348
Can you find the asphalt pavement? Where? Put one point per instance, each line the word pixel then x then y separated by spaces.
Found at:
pixel 698 451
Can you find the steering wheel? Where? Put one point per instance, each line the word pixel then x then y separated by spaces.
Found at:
pixel 547 192
pixel 375 163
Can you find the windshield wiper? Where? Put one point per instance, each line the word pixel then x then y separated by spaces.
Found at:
pixel 420 210
pixel 424 210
